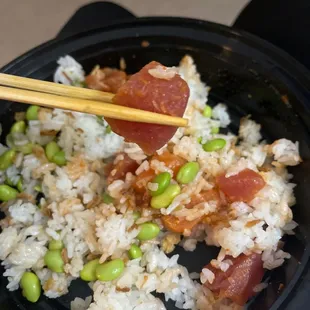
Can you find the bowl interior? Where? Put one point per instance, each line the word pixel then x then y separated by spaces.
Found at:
pixel 241 75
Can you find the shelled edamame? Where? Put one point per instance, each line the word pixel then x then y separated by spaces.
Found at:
pixel 163 180
pixel 7 192
pixel 108 130
pixel 164 200
pixel 134 252
pixel 88 273
pixel 188 172
pixel 214 145
pixel 30 285
pixel 20 184
pixel 55 154
pixel 32 113
pixel 7 159
pixel 148 231
pixel 207 111
pixel 215 130
pixel 53 260
pixel 25 149
pixel 38 188
pixel 136 215
pixel 55 245
pixel 18 127
pixel 106 198
pixel 59 158
pixel 51 149
pixel 110 271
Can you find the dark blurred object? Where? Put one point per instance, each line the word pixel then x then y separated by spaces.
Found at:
pixel 94 15
pixel 285 23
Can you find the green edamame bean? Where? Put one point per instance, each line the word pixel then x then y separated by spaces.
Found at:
pixel 59 158
pixel 19 127
pixel 7 192
pixel 31 288
pixel 108 130
pixel 9 182
pixel 32 113
pixel 215 130
pixel 107 198
pixel 214 145
pixel 110 271
pixel 51 149
pixel 207 111
pixel 148 231
pixel 199 139
pixel 54 261
pixel 79 83
pixel 25 149
pixel 99 120
pixel 20 185
pixel 188 172
pixel 163 181
pixel 9 141
pixel 164 200
pixel 88 273
pixel 38 188
pixel 6 159
pixel 136 215
pixel 55 245
pixel 134 252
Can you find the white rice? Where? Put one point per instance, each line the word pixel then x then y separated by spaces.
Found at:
pixel 286 152
pixel 249 131
pixel 69 71
pixel 80 304
pixel 207 275
pixel 152 186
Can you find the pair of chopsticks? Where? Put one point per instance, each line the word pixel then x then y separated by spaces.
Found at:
pixel 53 95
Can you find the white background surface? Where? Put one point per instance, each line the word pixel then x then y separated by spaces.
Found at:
pixel 27 23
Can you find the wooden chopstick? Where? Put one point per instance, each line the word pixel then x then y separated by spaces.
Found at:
pixel 89 106
pixel 54 88
pixel 53 95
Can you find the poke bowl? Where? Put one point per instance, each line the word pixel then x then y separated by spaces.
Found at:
pixel 235 229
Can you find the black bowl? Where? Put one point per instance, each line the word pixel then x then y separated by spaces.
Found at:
pixel 246 73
